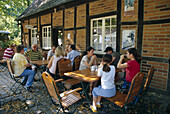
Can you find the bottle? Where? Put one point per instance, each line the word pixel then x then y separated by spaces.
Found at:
pixel 43 59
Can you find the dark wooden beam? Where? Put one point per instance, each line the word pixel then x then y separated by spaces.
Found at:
pixel 119 5
pixel 140 26
pixel 129 23
pixel 75 22
pixel 155 59
pixel 87 26
pixel 103 15
pixel 162 21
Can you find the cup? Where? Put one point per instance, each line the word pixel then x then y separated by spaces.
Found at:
pixel 93 68
pixel 43 59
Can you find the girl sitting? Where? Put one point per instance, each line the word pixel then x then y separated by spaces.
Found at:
pixel 107 88
pixel 132 67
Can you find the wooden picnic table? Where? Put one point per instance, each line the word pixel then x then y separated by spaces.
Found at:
pixel 40 62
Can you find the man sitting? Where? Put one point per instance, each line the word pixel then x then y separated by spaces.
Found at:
pixel 20 65
pixel 51 52
pixel 34 54
pixel 115 55
pixel 72 53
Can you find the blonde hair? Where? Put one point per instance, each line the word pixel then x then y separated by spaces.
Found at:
pixel 59 51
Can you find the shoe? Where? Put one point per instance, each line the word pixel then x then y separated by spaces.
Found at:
pixel 28 88
pixel 98 106
pixel 36 79
pixel 23 83
pixel 91 107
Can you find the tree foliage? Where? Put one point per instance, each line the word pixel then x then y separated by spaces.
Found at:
pixel 9 11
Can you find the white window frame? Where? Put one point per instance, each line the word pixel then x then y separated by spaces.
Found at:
pixel 46 37
pixel 103 33
pixel 33 36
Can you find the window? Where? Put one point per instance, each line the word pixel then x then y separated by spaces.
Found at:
pixel 46 37
pixel 103 33
pixel 34 36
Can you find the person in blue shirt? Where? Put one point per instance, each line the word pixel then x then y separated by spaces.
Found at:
pixel 72 53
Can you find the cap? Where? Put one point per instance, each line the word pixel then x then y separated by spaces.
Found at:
pixel 108 49
pixel 89 48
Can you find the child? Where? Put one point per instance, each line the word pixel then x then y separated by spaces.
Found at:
pixel 107 88
pixel 132 67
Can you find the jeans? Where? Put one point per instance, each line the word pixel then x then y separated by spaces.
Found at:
pixel 124 85
pixel 28 77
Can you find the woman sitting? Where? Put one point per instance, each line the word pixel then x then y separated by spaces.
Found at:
pixel 88 59
pixel 132 67
pixel 59 53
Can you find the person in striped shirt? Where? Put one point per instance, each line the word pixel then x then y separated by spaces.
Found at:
pixel 34 54
pixel 8 53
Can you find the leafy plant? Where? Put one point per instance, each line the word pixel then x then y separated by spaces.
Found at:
pixel 9 11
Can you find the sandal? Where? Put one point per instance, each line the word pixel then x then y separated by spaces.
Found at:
pixel 91 107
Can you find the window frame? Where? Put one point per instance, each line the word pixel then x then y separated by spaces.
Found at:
pixel 103 32
pixel 48 41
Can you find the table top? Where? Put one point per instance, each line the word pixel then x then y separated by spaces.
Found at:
pixel 40 62
pixel 86 75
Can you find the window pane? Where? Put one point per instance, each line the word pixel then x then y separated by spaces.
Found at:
pixel 113 29
pixel 114 21
pixel 107 30
pixel 107 22
pixel 99 23
pixel 95 23
pixel 100 47
pixel 95 39
pixel 94 31
pixel 100 31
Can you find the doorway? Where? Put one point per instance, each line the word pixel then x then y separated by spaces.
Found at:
pixel 58 36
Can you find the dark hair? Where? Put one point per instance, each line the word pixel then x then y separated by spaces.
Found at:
pixel 133 51
pixel 19 48
pixel 83 53
pixel 89 48
pixel 108 59
pixel 73 47
pixel 108 49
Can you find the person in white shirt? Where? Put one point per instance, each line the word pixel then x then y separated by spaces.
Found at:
pixel 72 53
pixel 59 53
pixel 88 59
pixel 51 52
pixel 107 88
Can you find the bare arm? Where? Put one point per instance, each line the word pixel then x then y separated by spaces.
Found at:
pixel 92 61
pixel 28 65
pixel 120 65
pixel 48 58
pixel 50 62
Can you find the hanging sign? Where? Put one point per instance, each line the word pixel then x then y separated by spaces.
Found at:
pixel 29 26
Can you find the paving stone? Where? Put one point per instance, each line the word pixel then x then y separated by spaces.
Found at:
pixel 22 98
